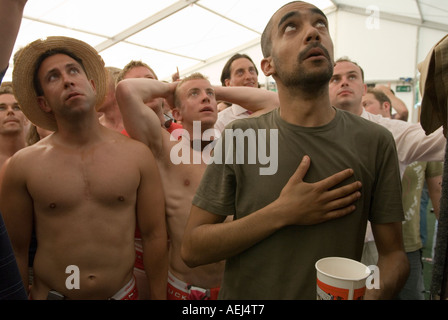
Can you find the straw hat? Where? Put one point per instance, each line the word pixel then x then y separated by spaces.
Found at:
pixel 25 64
pixel 434 87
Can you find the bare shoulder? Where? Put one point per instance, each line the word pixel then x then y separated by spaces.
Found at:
pixel 28 153
pixel 131 148
pixel 22 161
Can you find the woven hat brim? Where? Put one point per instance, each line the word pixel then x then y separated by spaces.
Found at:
pixel 24 66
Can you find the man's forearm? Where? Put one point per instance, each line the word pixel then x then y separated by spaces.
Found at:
pixel 11 12
pixel 155 260
pixel 214 242
pixel 253 99
pixel 394 271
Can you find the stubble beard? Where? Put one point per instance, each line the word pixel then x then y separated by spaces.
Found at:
pixel 299 78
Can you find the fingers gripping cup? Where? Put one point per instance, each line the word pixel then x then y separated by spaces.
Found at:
pixel 341 279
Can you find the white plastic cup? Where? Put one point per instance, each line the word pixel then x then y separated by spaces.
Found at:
pixel 341 279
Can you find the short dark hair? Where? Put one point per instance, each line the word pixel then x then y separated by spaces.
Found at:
pixel 380 96
pixel 265 41
pixel 225 74
pixel 37 86
pixel 347 59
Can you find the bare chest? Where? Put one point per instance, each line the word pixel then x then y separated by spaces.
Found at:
pixel 70 180
pixel 180 183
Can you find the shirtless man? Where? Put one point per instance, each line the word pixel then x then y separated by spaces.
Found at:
pixel 110 115
pixel 11 13
pixel 195 102
pixel 85 186
pixel 13 124
pixel 139 69
pixel 193 99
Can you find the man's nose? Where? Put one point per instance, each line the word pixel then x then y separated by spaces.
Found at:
pixel 68 81
pixel 247 74
pixel 312 35
pixel 205 97
pixel 344 82
pixel 10 110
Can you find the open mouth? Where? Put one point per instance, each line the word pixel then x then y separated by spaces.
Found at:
pixel 207 109
pixel 72 95
pixel 315 53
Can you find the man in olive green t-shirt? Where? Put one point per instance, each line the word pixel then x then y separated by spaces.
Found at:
pixel 310 207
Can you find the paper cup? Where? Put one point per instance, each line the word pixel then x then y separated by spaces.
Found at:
pixel 341 279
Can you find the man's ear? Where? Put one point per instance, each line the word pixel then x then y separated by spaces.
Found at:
pixel 267 66
pixel 176 114
pixel 42 102
pixel 92 83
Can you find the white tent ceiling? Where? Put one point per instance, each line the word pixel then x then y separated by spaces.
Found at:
pixel 193 34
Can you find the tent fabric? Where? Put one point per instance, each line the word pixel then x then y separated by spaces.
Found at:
pixel 188 35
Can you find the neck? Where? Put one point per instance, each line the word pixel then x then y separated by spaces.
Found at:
pixel 199 145
pixel 354 108
pixel 199 137
pixel 112 119
pixel 304 108
pixel 79 133
pixel 11 143
pixel 199 131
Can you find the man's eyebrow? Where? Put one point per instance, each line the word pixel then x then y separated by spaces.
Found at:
pixel 73 64
pixel 348 73
pixel 319 12
pixel 52 70
pixel 287 16
pixel 294 13
pixel 194 89
pixel 352 72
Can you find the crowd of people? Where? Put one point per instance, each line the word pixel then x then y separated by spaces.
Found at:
pixel 116 185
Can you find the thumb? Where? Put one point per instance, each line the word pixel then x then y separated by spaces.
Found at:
pixel 301 170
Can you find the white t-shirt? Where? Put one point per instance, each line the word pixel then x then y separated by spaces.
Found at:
pixel 229 114
pixel 411 140
pixel 412 144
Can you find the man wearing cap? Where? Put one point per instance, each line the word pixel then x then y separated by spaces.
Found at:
pixel 84 187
